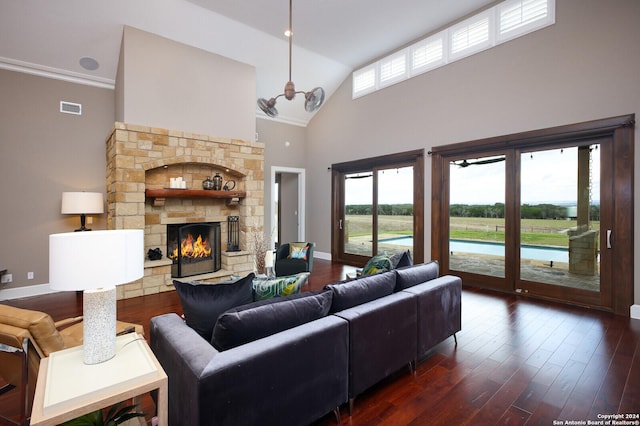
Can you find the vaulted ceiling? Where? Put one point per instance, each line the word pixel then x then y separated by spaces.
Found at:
pixel 331 37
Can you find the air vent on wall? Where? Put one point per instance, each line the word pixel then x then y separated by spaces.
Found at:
pixel 70 108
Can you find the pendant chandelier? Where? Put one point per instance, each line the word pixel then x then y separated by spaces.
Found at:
pixel 313 99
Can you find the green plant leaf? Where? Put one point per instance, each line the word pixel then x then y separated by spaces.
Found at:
pixel 90 419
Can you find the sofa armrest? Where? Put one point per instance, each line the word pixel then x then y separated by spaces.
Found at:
pixel 279 378
pixel 439 304
pixel 183 354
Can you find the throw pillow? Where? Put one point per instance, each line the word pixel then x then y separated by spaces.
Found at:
pixel 267 288
pixel 401 259
pixel 261 319
pixel 202 303
pixel 377 264
pixel 298 251
pixel 417 274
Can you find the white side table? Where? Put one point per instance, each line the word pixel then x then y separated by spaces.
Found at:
pixel 67 388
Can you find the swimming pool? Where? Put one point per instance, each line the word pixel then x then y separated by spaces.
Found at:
pixel 556 254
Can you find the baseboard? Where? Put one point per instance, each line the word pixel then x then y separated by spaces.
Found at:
pixel 26 291
pixel 635 311
pixel 322 255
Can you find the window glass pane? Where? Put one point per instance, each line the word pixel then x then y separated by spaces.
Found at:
pixel 358 214
pixel 476 216
pixel 393 69
pixel 560 217
pixel 470 35
pixel 364 80
pixel 522 13
pixel 395 210
pixel 427 54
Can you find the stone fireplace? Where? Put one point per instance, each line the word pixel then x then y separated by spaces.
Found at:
pixel 142 161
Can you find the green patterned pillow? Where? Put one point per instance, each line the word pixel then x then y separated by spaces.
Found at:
pixel 266 288
pixel 379 263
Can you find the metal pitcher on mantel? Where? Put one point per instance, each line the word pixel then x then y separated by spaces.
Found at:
pixel 217 182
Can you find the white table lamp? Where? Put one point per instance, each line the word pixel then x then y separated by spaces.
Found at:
pixel 82 203
pixel 96 262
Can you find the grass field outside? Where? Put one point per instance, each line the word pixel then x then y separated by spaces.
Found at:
pixel 542 232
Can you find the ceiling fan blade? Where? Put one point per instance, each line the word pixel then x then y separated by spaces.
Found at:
pixel 314 99
pixel 465 163
pixel 489 160
pixel 268 106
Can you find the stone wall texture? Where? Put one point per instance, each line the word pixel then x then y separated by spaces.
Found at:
pixel 140 157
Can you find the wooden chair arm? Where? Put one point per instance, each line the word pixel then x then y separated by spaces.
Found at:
pixel 67 322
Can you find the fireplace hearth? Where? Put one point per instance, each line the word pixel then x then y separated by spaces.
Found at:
pixel 194 248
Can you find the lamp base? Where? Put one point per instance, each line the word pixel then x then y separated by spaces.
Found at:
pixel 99 325
pixel 83 220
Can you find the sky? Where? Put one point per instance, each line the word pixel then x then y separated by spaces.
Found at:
pixel 547 177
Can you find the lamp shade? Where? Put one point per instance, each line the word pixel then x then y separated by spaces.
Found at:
pixel 93 260
pixel 82 203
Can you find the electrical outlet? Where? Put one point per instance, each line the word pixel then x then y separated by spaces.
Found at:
pixel 89 220
pixel 29 275
pixel 7 278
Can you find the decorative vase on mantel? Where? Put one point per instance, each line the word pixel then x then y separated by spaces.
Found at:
pixel 217 182
pixel 207 183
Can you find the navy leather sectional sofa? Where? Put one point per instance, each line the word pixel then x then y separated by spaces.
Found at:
pixel 364 330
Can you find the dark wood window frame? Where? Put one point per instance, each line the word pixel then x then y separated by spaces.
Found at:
pixel 410 158
pixel 620 130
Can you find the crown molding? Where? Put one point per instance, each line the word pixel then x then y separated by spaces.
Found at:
pixel 56 73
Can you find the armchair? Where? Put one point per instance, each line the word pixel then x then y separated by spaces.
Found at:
pixel 285 265
pixel 27 336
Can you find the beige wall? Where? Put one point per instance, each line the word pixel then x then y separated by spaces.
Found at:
pixel 582 68
pixel 160 83
pixel 170 85
pixel 44 152
pixel 278 153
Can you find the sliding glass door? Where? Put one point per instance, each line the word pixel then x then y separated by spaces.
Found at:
pixel 547 214
pixel 560 217
pixel 374 207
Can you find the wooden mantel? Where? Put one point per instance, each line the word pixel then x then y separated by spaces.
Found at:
pixel 160 195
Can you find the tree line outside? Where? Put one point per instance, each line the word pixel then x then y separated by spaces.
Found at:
pixel 527 211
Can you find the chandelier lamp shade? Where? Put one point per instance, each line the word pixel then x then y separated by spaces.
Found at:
pixel 313 98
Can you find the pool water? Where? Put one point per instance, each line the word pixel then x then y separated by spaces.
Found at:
pixel 544 253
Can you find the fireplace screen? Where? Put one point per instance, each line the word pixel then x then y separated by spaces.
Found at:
pixel 194 248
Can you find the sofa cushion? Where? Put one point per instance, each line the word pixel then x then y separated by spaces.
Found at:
pixel 416 274
pixel 348 294
pixel 266 288
pixel 202 303
pixel 256 320
pixel 377 264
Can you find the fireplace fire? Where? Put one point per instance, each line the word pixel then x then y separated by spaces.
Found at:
pixel 194 248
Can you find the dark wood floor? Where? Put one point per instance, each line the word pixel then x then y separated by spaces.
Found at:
pixel 517 361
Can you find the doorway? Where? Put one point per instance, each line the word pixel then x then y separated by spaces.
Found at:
pixel 537 213
pixel 287 210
